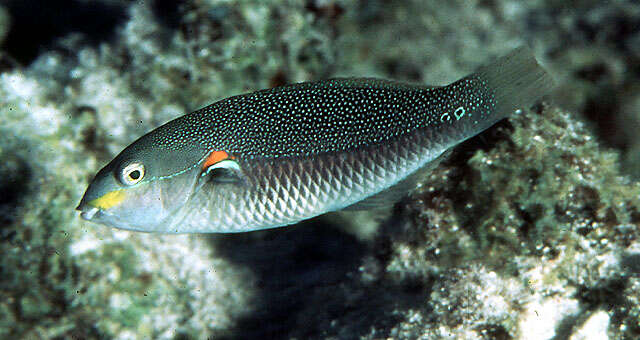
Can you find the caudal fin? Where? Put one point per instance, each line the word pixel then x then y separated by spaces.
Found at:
pixel 517 81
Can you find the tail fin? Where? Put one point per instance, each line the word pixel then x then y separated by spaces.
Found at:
pixel 517 81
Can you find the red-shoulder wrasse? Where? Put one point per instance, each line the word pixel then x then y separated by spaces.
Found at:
pixel 275 157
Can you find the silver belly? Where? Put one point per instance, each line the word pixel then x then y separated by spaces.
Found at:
pixel 283 191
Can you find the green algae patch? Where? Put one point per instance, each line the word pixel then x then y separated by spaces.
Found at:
pixel 537 203
pixel 546 179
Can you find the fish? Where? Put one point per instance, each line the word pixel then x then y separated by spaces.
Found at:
pixel 278 156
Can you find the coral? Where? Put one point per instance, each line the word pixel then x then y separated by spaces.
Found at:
pixel 529 230
pixel 524 239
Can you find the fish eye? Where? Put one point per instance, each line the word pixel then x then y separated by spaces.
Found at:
pixel 132 173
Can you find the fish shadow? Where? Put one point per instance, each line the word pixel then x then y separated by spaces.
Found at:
pixel 308 284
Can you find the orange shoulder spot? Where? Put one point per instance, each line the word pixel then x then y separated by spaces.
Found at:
pixel 215 157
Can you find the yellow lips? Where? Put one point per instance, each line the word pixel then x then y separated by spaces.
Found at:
pixel 108 200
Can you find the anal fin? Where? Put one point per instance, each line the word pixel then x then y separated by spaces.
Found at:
pixel 388 197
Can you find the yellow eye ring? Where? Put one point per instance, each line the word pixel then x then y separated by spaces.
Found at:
pixel 132 174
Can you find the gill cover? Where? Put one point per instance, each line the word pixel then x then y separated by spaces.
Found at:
pixel 142 187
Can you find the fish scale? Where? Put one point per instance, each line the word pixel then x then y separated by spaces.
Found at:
pixel 274 157
pixel 284 192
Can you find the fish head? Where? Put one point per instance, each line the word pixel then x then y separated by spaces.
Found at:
pixel 143 187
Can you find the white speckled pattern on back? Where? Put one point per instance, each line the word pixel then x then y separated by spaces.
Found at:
pixel 326 116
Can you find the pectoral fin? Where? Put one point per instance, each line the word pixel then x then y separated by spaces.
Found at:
pixel 220 167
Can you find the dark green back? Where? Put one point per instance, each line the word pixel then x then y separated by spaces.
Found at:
pixel 326 116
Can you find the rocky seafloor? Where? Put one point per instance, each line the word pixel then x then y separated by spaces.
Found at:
pixel 527 231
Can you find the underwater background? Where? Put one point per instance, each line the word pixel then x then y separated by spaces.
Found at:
pixel 527 231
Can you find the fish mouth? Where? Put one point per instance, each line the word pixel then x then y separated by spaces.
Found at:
pixel 97 215
pixel 87 212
